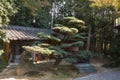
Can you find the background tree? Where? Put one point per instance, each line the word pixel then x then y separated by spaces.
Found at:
pixel 32 13
pixel 108 11
pixel 7 8
pixel 100 16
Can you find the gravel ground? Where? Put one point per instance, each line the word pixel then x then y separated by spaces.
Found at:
pixel 102 74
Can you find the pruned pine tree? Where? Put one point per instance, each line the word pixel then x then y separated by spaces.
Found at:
pixel 66 35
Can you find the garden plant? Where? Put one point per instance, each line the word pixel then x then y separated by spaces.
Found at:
pixel 69 33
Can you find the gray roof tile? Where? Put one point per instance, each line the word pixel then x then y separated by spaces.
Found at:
pixel 23 33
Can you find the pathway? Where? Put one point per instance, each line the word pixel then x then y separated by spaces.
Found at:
pixel 108 75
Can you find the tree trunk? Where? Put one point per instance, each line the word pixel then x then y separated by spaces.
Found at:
pixel 89 37
pixel 57 62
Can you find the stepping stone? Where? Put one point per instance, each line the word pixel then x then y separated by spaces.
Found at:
pixel 85 68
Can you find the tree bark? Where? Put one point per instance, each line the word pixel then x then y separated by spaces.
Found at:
pixel 89 37
pixel 57 62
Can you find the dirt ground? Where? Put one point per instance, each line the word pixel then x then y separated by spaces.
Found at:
pixel 46 72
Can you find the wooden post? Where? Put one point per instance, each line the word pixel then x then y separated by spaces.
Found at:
pixel 6 48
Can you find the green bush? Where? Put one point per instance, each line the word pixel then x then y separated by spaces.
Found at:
pixel 81 57
pixel 2 60
pixel 115 52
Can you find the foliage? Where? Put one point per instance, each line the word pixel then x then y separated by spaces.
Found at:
pixel 2 58
pixel 44 13
pixel 43 17
pixel 77 43
pixel 60 42
pixel 62 8
pixel 35 14
pixel 38 49
pixel 85 54
pixel 115 52
pixel 2 62
pixel 81 57
pixel 34 5
pixel 47 36
pixel 1 52
pixel 106 3
pixel 7 8
pixel 72 20
pixel 22 18
pixel 100 15
pixel 105 14
pixel 65 30
pixel 39 11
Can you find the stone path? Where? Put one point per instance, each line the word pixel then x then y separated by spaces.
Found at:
pixel 108 75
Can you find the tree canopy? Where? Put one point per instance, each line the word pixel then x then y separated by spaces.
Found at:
pixel 7 8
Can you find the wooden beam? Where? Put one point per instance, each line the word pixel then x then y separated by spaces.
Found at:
pixel 6 48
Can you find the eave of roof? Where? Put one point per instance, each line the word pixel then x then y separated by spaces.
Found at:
pixel 23 33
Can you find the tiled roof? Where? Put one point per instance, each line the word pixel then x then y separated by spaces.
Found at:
pixel 23 33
